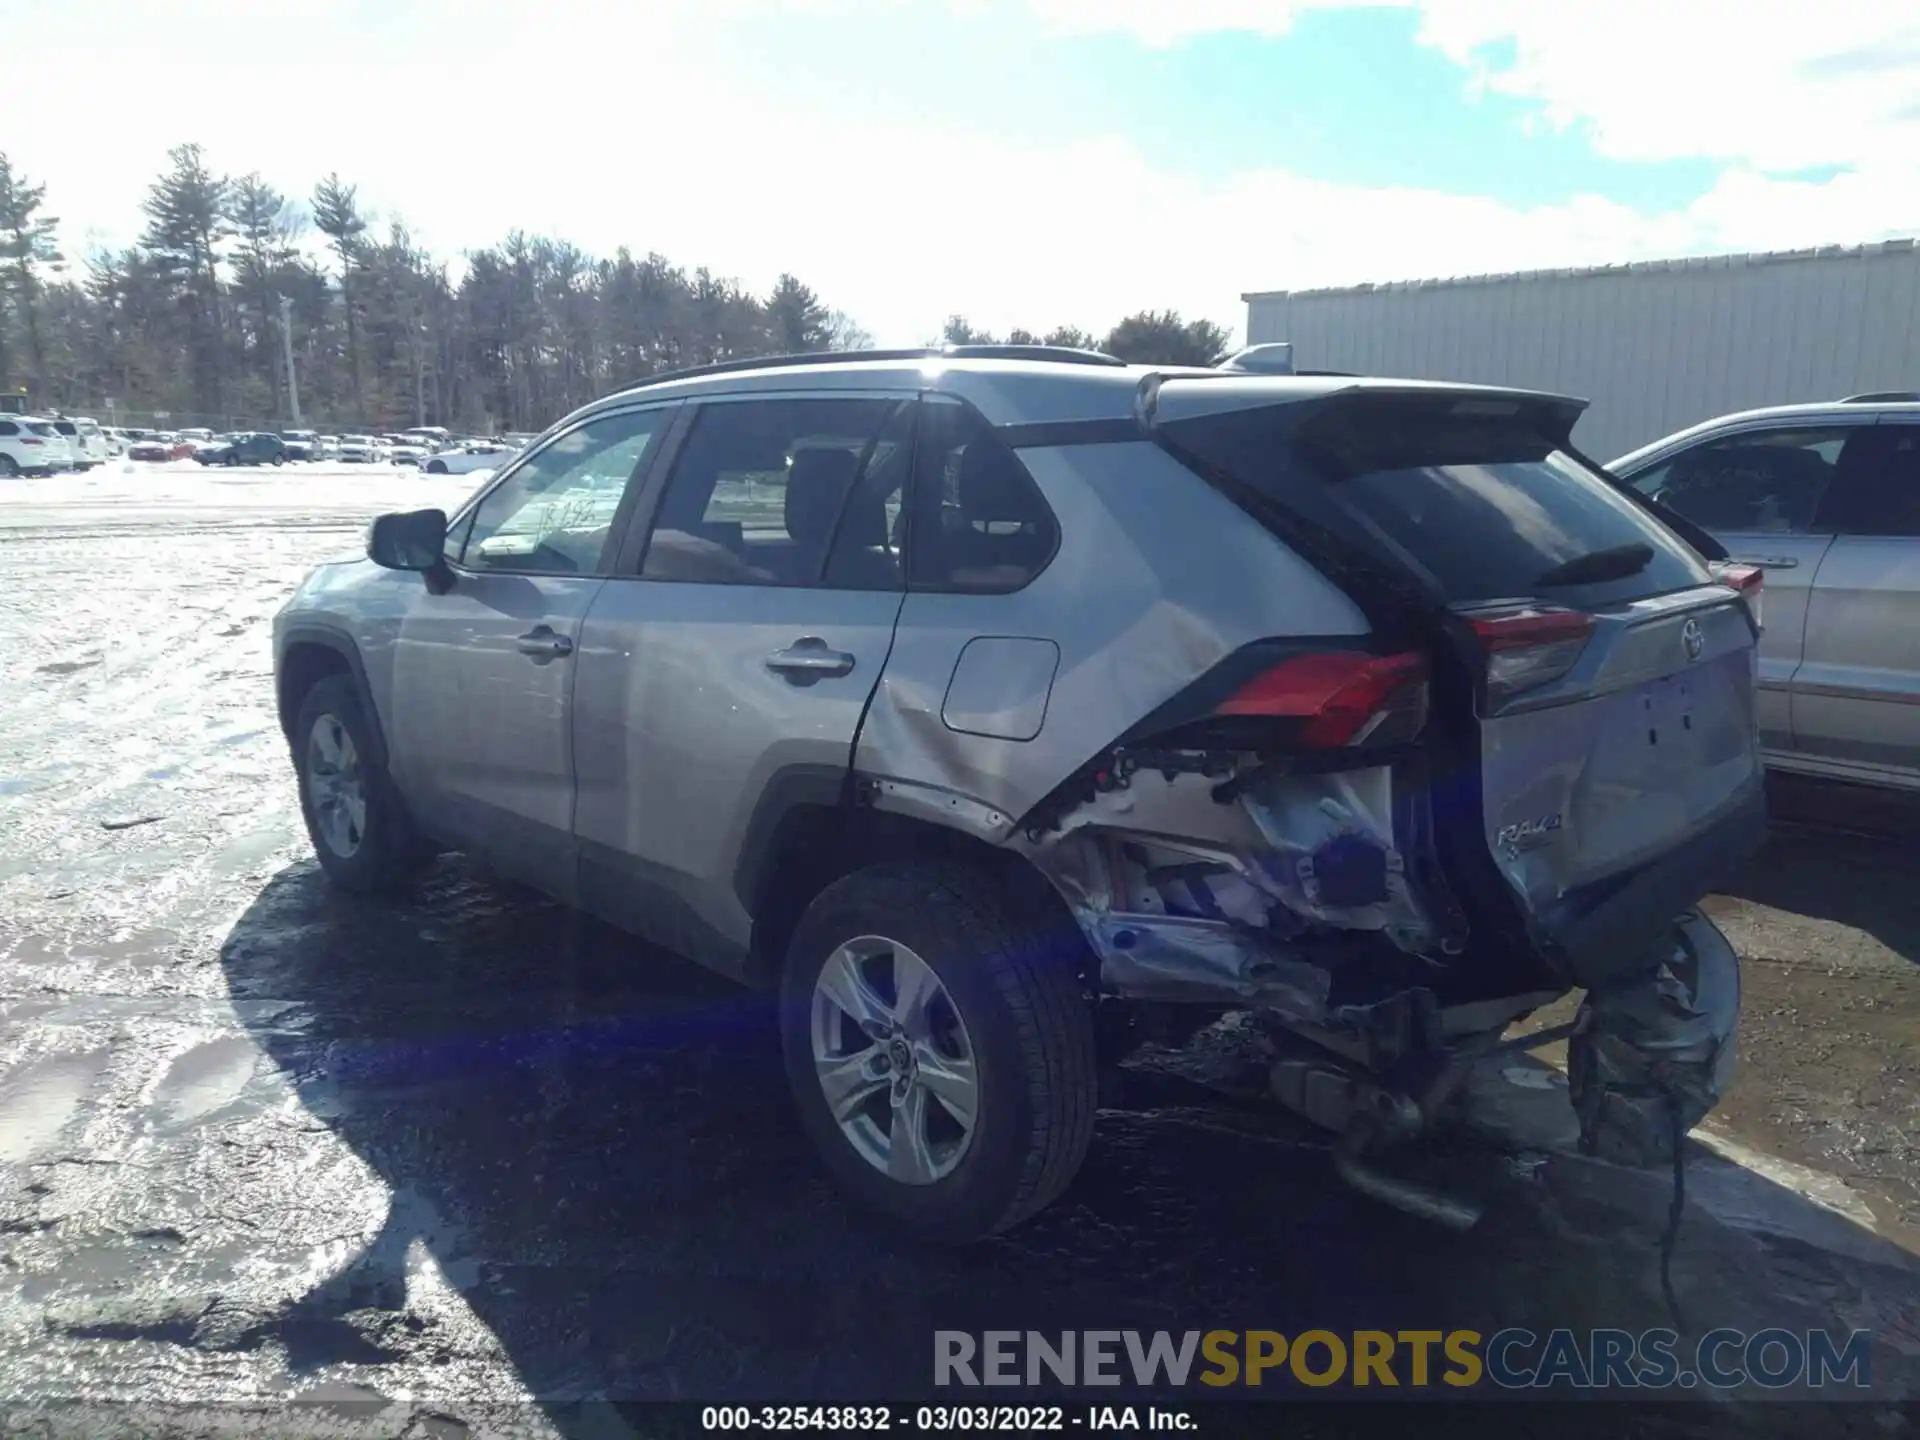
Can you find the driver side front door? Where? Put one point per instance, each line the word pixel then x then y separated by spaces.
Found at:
pixel 483 674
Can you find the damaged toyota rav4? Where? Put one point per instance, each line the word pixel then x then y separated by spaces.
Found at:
pixel 968 697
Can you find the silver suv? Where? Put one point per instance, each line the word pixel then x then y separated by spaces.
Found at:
pixel 970 696
pixel 1826 499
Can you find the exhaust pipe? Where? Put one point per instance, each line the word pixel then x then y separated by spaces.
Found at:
pixel 1362 1113
pixel 1421 1200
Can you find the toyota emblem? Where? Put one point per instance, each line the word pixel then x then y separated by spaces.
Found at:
pixel 1693 639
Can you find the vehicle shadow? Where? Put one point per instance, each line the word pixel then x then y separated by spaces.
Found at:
pixel 619 1191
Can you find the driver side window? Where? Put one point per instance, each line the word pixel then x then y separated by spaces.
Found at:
pixel 1765 482
pixel 552 516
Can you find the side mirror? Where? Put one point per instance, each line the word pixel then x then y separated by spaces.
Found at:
pixel 409 540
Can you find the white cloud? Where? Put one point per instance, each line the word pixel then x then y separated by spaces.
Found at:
pixel 474 117
pixel 1781 88
pixel 1166 22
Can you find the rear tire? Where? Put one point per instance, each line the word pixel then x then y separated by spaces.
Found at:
pixel 360 831
pixel 436 467
pixel 1007 1011
pixel 8 469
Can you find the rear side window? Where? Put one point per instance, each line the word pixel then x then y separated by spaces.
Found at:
pixel 1768 482
pixel 979 524
pixel 1877 488
pixel 787 493
pixel 1475 496
pixel 7 427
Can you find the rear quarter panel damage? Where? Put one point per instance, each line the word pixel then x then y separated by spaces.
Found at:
pixel 1157 579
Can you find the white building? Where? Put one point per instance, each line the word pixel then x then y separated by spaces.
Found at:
pixel 1654 346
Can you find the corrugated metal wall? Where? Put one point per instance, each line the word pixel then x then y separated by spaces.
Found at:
pixel 1654 347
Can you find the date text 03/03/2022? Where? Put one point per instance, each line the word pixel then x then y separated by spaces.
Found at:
pixel 941 1419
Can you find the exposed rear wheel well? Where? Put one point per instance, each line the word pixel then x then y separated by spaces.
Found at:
pixel 814 845
pixel 305 665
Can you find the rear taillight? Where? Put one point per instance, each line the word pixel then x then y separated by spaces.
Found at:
pixel 1527 646
pixel 1746 581
pixel 31 440
pixel 1340 697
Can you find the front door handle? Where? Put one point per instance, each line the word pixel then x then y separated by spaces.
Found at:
pixel 1769 562
pixel 543 644
pixel 808 659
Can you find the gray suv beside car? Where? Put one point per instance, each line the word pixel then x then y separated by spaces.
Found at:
pixel 1826 499
pixel 970 697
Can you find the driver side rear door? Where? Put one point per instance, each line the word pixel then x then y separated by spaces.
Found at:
pixel 483 674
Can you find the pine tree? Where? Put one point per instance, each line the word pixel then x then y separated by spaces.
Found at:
pixel 259 215
pixel 186 225
pixel 27 246
pixel 796 320
pixel 336 215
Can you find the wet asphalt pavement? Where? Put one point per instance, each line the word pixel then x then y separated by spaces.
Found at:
pixel 469 1151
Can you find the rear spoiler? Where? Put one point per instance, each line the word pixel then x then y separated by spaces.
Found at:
pixel 1289 404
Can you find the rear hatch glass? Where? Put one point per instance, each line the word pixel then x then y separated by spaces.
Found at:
pixel 1479 497
pixel 1614 743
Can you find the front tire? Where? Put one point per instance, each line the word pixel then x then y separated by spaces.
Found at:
pixel 360 831
pixel 939 1048
pixel 436 467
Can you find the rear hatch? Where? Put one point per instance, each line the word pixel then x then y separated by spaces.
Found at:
pixel 1593 726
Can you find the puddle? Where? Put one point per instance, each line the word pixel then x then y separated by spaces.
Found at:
pixel 205 1080
pixel 38 1099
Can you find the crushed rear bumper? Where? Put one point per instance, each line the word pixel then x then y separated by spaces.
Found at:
pixel 1654 1053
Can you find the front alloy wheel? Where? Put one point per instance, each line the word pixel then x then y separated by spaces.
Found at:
pixel 894 1060
pixel 336 788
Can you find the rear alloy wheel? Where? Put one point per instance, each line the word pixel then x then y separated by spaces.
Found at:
pixel 8 468
pixel 360 831
pixel 939 1048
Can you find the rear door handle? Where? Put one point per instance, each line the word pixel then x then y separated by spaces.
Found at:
pixel 1769 562
pixel 808 659
pixel 543 644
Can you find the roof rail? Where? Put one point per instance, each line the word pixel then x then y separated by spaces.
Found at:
pixel 1882 397
pixel 1059 354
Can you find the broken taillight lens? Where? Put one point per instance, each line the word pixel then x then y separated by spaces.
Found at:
pixel 1527 646
pixel 1340 697
pixel 1748 582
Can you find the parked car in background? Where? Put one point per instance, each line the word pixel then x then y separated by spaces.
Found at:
pixel 251 447
pixel 466 458
pixel 408 454
pixel 65 454
pixel 963 778
pixel 327 447
pixel 1826 499
pixel 361 450
pixel 195 433
pixel 431 438
pixel 25 450
pixel 85 449
pixel 151 448
pixel 301 444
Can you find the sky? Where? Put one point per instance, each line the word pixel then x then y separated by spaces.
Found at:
pixel 1021 162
